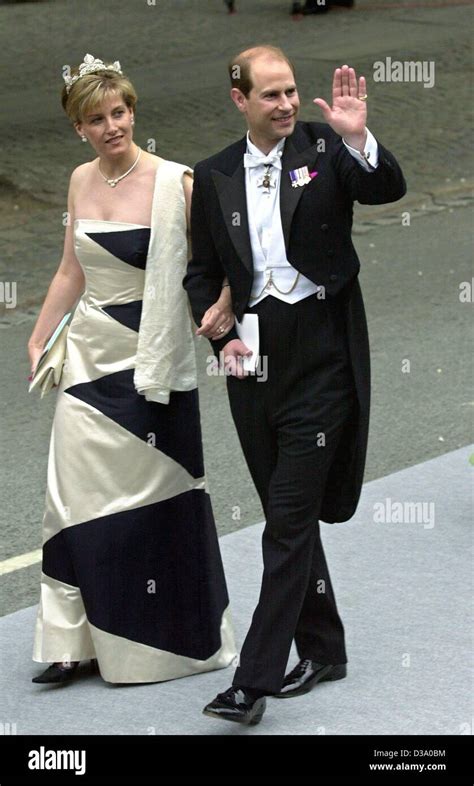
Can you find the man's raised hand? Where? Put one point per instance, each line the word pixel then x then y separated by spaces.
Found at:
pixel 348 114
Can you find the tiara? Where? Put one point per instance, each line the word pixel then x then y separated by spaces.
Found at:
pixel 90 65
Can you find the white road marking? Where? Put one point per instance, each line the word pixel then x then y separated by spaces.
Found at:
pixel 21 561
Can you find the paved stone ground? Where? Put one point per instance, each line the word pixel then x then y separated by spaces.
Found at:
pixel 176 53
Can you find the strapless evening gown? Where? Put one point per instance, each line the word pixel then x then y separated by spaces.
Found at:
pixel 131 574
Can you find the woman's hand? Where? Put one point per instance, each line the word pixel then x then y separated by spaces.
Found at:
pixel 34 353
pixel 219 318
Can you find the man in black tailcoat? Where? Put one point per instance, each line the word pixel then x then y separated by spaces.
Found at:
pixel 273 213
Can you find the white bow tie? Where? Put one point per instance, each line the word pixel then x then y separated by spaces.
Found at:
pixel 251 161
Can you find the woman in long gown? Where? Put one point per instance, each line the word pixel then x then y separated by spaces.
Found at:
pixel 132 577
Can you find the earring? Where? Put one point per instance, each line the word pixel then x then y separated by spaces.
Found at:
pixel 132 122
pixel 83 138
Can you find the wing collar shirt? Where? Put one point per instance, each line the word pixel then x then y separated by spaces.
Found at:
pixel 273 274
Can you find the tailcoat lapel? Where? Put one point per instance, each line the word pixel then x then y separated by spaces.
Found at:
pixel 293 158
pixel 230 187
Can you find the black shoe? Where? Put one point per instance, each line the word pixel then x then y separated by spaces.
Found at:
pixel 313 7
pixel 57 673
pixel 236 705
pixel 306 674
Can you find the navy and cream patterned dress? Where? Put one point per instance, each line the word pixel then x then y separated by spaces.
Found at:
pixel 132 574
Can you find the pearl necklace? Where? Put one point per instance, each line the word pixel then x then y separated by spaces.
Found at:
pixel 112 181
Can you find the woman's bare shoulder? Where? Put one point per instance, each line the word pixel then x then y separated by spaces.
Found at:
pixel 155 161
pixel 152 160
pixel 82 172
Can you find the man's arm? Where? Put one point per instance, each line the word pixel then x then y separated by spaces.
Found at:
pixel 205 273
pixel 367 155
pixel 348 119
pixel 376 186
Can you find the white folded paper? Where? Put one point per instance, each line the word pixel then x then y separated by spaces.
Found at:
pixel 248 332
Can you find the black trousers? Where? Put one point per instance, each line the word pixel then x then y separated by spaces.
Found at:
pixel 289 428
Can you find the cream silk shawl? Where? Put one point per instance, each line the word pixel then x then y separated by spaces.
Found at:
pixel 165 358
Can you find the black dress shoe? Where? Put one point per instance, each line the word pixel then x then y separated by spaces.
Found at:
pixel 55 673
pixel 236 705
pixel 306 674
pixel 313 7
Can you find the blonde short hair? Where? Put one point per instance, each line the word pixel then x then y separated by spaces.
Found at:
pixel 90 91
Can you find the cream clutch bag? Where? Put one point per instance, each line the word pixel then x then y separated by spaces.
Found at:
pixel 50 365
